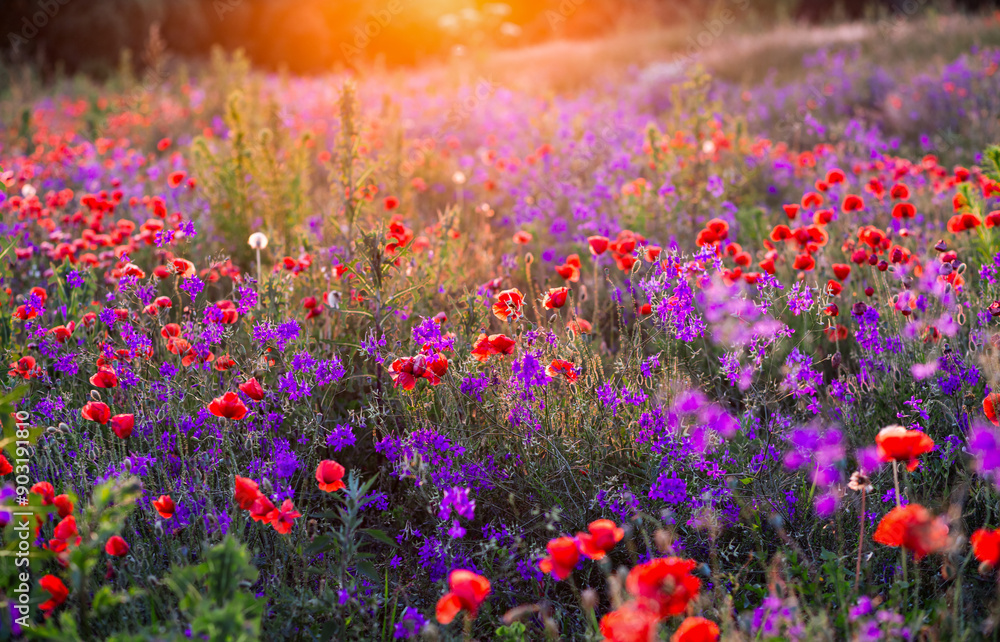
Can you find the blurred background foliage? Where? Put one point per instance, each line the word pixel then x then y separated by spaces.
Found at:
pixel 305 36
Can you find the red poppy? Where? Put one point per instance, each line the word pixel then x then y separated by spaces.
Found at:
pixel 165 506
pixel 5 467
pixel 96 411
pixel 570 270
pixel 896 443
pixel 122 425
pixel 791 210
pixel 696 629
pixel 852 203
pixel 632 622
pixel 46 491
pixel 63 504
pixel 579 326
pixel 835 175
pixel 466 591
pixel 263 509
pixel 284 517
pixel 804 262
pixel 485 347
pixel 666 583
pixel 990 406
pixel 252 389
pixel 246 492
pixel 904 210
pixel 555 298
pixel 223 363
pixel 561 367
pixel 986 547
pixel 598 244
pixel 914 528
pixel 330 475
pixel 834 288
pixel 841 271
pixel 564 554
pixel 25 367
pixel 508 305
pixel 603 536
pixel 391 202
pixel 522 238
pixel 229 406
pixel 899 191
pixel 116 546
pixel 56 590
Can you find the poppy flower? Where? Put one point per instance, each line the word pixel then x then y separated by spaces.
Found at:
pixel 986 547
pixel 330 475
pixel 561 367
pixel 229 406
pixel 252 388
pixel 913 528
pixel 564 554
pixel 555 298
pixel 896 443
pixel 570 270
pixel 804 262
pixel 104 378
pixel 791 210
pixel 603 536
pixel 580 326
pixel 841 271
pixel 63 504
pixel 852 203
pixel 246 492
pixel 904 210
pixel 990 406
pixel 25 367
pixel 66 530
pixel 466 591
pixel 165 506
pixel 284 517
pixel 508 305
pixel 598 244
pixel 223 363
pixel 263 509
pixel 666 583
pixel 696 629
pixel 57 593
pixel 632 622
pixel 45 491
pixel 522 238
pixel 5 467
pixel 122 425
pixel 486 347
pixel 116 546
pixel 96 411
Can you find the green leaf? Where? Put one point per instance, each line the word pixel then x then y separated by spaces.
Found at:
pixel 379 535
pixel 368 570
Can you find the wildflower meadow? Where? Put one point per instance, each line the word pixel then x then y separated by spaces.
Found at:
pixel 680 350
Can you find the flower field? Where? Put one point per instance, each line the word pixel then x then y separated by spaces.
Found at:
pixel 441 356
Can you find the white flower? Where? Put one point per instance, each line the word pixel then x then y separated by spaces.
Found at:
pixel 257 241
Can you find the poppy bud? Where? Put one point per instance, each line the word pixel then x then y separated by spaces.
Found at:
pixel 94 395
pixel 883 266
pixel 528 258
pixel 835 360
pixel 872 260
pixel 941 246
pixel 869 291
pixel 858 308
